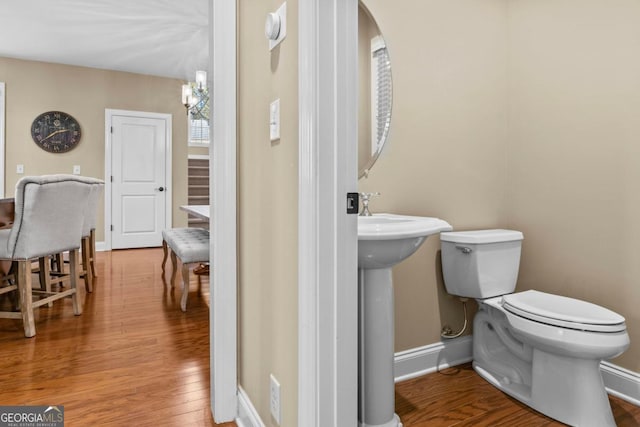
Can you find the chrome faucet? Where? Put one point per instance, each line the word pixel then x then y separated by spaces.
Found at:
pixel 365 202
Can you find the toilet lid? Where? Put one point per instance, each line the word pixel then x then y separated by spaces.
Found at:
pixel 562 311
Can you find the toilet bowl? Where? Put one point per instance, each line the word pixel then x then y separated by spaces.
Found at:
pixel 542 349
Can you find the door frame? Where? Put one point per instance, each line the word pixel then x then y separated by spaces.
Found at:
pixel 108 148
pixel 2 143
pixel 327 236
pixel 223 285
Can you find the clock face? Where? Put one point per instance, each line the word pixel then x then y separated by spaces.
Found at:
pixel 55 131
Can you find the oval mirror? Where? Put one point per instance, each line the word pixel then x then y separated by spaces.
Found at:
pixel 374 92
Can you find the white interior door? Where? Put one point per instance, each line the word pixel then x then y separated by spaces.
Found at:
pixel 139 192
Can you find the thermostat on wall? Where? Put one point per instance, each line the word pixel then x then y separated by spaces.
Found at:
pixel 275 27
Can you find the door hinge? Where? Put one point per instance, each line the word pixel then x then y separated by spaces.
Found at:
pixel 111 129
pixel 353 203
pixel 112 227
pixel 111 178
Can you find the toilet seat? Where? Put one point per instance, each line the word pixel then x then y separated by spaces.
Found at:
pixel 563 312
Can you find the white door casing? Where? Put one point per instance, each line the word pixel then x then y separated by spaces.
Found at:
pixel 327 237
pixel 138 168
pixel 222 175
pixel 2 122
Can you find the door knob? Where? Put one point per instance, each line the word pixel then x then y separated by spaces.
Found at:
pixel 160 189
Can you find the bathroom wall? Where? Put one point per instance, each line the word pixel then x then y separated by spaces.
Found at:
pixel 447 152
pixel 574 151
pixel 522 114
pixel 267 211
pixel 34 87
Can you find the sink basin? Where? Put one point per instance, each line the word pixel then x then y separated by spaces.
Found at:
pixel 386 239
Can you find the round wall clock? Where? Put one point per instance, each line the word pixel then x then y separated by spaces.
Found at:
pixel 55 131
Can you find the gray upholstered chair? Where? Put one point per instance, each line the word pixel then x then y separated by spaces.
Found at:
pixel 89 235
pixel 54 273
pixel 48 220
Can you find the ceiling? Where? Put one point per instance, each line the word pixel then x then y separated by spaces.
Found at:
pixel 167 38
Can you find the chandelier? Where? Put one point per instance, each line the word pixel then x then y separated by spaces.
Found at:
pixel 195 96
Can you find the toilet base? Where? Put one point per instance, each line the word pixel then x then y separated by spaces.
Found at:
pixel 570 390
pixel 567 389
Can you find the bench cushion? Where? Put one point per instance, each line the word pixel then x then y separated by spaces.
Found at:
pixel 189 244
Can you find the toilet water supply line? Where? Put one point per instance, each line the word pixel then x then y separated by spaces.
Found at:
pixel 446 330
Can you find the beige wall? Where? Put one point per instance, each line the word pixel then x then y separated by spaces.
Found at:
pixel 267 219
pixel 198 151
pixel 446 156
pixel 35 87
pixel 521 114
pixel 574 151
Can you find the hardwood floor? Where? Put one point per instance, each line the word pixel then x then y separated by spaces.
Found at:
pixel 131 359
pixel 459 397
pixel 134 359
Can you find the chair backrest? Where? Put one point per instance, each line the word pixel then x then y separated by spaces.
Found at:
pixel 91 209
pixel 49 214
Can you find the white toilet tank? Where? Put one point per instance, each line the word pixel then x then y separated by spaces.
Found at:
pixel 482 263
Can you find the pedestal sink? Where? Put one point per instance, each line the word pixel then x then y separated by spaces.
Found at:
pixel 383 241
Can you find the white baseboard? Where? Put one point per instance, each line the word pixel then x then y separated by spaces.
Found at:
pixel 101 247
pixel 420 361
pixel 247 414
pixel 415 362
pixel 621 382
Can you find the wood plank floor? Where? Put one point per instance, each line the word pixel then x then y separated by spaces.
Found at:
pixel 460 397
pixel 134 359
pixel 131 359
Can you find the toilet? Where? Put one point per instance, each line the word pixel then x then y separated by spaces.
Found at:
pixel 542 349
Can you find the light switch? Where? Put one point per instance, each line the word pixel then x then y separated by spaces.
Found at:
pixel 19 168
pixel 76 169
pixel 274 120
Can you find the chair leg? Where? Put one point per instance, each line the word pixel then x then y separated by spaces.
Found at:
pixel 185 287
pixel 86 267
pixel 45 276
pixel 174 264
pixel 73 268
pixel 13 276
pixel 164 256
pixel 59 262
pixel 26 297
pixel 92 252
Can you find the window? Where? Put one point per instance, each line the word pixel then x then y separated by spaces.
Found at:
pixel 199 132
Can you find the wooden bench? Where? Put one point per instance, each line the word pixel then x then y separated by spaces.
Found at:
pixel 190 245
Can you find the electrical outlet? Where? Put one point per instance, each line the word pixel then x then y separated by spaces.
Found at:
pixel 274 398
pixel 76 169
pixel 19 168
